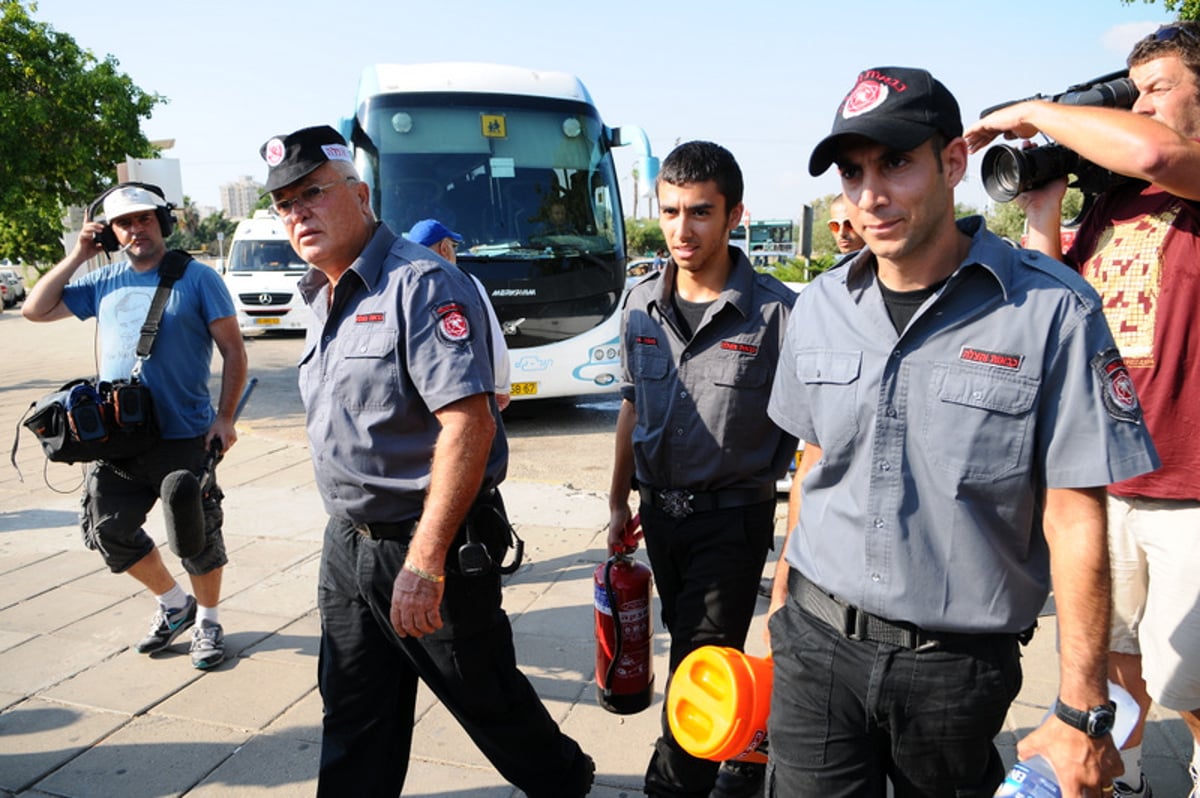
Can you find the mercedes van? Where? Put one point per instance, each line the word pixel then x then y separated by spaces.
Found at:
pixel 262 273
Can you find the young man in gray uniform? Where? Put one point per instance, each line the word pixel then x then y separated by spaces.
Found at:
pixel 408 449
pixel 699 345
pixel 1139 246
pixel 963 406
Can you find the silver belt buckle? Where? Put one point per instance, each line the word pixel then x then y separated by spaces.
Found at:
pixel 676 503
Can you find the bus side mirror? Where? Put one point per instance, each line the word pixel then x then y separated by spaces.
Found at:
pixel 648 168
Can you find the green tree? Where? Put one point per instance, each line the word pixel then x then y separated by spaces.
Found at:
pixel 643 237
pixel 68 119
pixel 199 235
pixel 1185 9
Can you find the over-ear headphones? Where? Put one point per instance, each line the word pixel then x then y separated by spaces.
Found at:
pixel 107 238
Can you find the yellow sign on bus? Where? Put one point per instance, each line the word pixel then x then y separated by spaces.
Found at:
pixel 494 126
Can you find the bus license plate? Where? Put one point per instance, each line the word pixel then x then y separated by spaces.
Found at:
pixel 523 389
pixel 267 320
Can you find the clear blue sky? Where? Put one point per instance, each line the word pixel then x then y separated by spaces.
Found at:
pixel 761 77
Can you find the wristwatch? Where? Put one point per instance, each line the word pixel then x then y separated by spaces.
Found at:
pixel 1094 722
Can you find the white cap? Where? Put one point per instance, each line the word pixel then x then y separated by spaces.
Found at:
pixel 130 199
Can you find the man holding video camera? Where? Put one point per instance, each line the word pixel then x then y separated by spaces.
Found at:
pixel 1139 246
pixel 119 493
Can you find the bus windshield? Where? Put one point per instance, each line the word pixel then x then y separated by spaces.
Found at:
pixel 528 182
pixel 534 180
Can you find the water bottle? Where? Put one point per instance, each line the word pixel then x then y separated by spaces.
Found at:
pixel 1035 778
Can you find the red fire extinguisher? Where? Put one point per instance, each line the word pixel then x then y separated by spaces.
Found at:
pixel 624 628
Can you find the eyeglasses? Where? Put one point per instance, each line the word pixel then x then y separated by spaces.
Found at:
pixel 309 198
pixel 1169 33
pixel 836 226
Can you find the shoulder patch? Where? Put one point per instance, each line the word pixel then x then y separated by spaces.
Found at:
pixel 1116 386
pixel 451 323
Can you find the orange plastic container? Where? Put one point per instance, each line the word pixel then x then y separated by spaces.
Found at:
pixel 718 702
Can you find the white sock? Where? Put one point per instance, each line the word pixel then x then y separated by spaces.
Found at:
pixel 206 614
pixel 1132 759
pixel 174 598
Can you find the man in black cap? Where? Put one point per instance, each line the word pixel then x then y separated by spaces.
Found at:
pixel 407 461
pixel 962 406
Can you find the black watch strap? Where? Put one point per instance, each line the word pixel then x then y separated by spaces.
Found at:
pixel 1094 722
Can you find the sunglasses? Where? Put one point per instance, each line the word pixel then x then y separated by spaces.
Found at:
pixel 1169 33
pixel 837 225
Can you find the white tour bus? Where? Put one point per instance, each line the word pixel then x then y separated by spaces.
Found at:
pixel 519 162
pixel 261 273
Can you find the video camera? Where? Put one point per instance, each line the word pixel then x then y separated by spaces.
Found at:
pixel 1009 171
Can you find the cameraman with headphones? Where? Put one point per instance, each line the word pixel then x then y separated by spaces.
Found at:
pixel 1139 246
pixel 118 494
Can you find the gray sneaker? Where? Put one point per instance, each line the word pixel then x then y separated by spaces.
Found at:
pixel 1143 788
pixel 165 626
pixel 208 645
pixel 1195 774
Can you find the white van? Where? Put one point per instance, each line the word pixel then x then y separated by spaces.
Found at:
pixel 261 274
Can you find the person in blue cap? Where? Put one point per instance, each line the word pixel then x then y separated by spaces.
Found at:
pixel 432 234
pixel 409 451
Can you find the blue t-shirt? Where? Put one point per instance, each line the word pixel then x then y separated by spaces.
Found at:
pixel 178 369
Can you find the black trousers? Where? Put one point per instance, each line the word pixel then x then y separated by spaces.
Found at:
pixel 848 716
pixel 707 569
pixel 368 679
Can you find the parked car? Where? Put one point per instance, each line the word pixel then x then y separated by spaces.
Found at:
pixel 4 291
pixel 15 285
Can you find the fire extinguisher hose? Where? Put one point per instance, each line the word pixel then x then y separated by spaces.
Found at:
pixel 618 631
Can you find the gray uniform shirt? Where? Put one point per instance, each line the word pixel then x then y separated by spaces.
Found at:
pixel 406 335
pixel 937 443
pixel 701 402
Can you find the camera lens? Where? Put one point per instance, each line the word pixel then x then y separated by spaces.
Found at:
pixel 1002 173
pixel 1008 171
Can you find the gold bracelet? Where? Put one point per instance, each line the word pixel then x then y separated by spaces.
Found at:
pixel 423 574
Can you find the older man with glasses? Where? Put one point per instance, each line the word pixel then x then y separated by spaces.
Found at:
pixel 1139 246
pixel 408 451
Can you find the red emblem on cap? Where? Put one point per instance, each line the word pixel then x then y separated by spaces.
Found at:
pixel 275 152
pixel 867 96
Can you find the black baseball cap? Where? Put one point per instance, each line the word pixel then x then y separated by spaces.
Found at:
pixel 899 107
pixel 295 155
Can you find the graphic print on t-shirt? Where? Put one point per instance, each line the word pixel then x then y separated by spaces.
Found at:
pixel 1127 271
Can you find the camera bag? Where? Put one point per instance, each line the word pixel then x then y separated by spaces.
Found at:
pixel 87 419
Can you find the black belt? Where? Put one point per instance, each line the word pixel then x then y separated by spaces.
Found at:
pixel 855 624
pixel 386 530
pixel 681 502
pixel 402 530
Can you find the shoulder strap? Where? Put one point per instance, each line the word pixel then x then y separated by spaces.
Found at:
pixel 173 265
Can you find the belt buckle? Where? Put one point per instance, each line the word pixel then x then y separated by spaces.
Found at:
pixel 675 502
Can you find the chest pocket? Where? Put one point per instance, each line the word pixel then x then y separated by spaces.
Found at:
pixel 979 424
pixel 832 381
pixel 650 369
pixel 365 370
